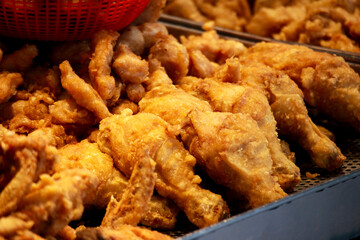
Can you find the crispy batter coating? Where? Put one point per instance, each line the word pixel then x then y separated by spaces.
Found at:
pixel 216 49
pixel 234 155
pixel 175 176
pixel 43 78
pixel 82 92
pixel 152 32
pixel 227 97
pixel 225 13
pixel 30 156
pixel 66 111
pixel 9 84
pixel 133 203
pixel 172 55
pixel 103 43
pixel 134 38
pixel 151 13
pixel 125 232
pixel 327 23
pixel 19 60
pixel 328 83
pixel 175 106
pixel 52 202
pixel 135 92
pixel 128 66
pixel 326 88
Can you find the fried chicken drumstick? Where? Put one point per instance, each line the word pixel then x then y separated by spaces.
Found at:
pixel 124 136
pixel 328 82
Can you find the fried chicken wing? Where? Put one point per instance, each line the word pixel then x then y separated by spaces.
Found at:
pixel 125 136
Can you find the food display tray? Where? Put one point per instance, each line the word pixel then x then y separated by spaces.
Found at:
pixel 322 207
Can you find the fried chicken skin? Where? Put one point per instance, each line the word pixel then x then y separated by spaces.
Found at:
pixel 125 232
pixel 161 213
pixel 51 203
pixel 288 107
pixel 9 84
pixel 129 66
pixel 327 23
pixel 133 203
pixel 328 83
pixel 103 43
pixel 228 97
pixel 175 106
pixel 82 92
pixel 19 60
pixel 215 48
pixel 23 159
pixel 172 55
pixel 125 136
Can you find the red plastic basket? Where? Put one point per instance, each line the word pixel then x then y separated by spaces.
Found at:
pixel 65 20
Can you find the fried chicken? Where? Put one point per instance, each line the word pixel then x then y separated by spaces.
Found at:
pixel 228 97
pixel 44 79
pixel 160 213
pixel 51 203
pixel 9 84
pixel 126 136
pixel 19 60
pixel 125 232
pixel 288 107
pixel 231 14
pixel 82 92
pixel 232 148
pixel 328 82
pixel 151 13
pixel 216 49
pixel 327 23
pixel 172 55
pixel 103 43
pixel 129 66
pixel 23 160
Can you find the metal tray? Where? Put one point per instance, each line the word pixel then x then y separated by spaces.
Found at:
pixel 325 207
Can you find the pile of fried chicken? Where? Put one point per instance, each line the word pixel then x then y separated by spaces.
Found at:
pixel 327 23
pixel 119 122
